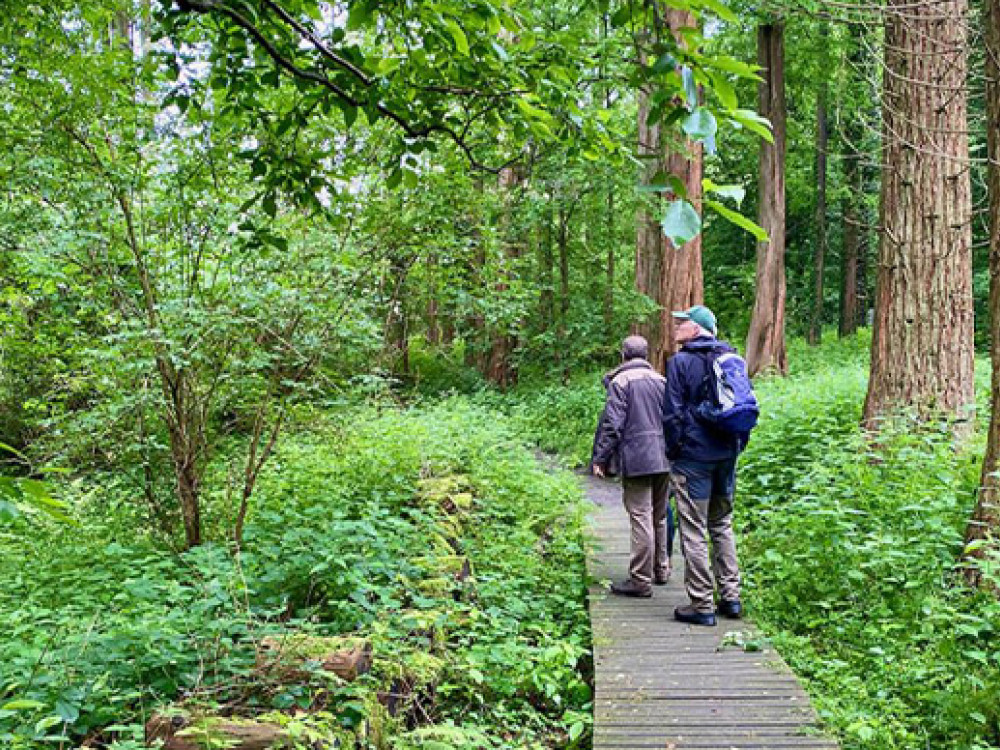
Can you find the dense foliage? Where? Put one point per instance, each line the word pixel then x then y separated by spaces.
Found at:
pixel 349 537
pixel 287 287
pixel 849 552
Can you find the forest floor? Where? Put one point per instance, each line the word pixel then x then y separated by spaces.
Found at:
pixel 432 532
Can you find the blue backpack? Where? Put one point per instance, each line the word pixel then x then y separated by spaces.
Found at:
pixel 728 404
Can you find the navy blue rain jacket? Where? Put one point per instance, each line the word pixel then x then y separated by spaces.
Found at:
pixel 688 438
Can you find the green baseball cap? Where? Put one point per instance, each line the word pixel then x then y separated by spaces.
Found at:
pixel 700 315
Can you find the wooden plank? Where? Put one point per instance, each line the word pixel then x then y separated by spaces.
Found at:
pixel 662 684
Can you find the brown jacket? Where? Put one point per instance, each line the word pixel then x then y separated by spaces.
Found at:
pixel 631 426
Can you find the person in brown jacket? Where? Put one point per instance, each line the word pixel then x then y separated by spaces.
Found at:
pixel 631 431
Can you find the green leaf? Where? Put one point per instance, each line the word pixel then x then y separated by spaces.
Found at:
pixel 680 222
pixel 461 41
pixel 736 192
pixel 270 205
pixel 9 449
pixel 753 122
pixel 23 704
pixel 665 63
pixel 723 90
pixel 735 217
pixel 718 8
pixel 47 723
pixel 358 16
pixel 67 711
pixel 732 65
pixel 622 16
pixel 575 731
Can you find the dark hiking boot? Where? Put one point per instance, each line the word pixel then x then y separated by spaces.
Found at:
pixel 631 588
pixel 731 609
pixel 661 578
pixel 692 616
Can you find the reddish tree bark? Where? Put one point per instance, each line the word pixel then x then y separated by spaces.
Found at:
pixel 766 339
pixel 922 348
pixel 983 532
pixel 671 276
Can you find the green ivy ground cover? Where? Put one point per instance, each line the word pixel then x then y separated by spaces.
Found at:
pixel 99 625
pixel 848 552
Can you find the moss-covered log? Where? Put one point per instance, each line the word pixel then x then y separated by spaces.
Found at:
pixel 184 732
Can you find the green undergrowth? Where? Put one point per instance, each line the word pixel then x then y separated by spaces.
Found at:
pixel 432 532
pixel 849 550
pixel 558 418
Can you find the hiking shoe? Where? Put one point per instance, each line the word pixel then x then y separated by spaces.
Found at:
pixel 631 588
pixel 692 616
pixel 731 609
pixel 661 578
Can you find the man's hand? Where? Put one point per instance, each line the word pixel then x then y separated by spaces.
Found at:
pixel 598 470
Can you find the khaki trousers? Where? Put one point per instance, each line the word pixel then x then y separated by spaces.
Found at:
pixel 704 494
pixel 645 501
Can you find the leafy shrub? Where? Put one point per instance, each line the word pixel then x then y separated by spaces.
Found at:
pixel 105 625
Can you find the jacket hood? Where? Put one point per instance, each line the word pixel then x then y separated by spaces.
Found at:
pixel 706 344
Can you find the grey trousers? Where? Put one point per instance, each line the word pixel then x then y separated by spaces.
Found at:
pixel 704 493
pixel 645 501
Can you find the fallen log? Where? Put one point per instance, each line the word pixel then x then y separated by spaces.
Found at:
pixel 184 732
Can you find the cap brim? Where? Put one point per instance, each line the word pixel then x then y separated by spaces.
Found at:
pixel 681 315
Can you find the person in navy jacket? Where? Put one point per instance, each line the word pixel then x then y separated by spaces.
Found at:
pixel 702 472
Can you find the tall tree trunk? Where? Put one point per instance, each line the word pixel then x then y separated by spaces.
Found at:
pixel 610 334
pixel 922 348
pixel 500 363
pixel 563 237
pixel 671 276
pixel 766 339
pixel 609 272
pixel 397 346
pixel 822 143
pixel 984 528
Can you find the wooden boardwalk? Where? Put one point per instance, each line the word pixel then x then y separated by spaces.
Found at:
pixel 661 684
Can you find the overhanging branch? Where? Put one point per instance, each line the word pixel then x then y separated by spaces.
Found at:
pixel 412 130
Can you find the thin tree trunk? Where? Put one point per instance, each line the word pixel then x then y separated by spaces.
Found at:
pixel 983 532
pixel 671 276
pixel 922 348
pixel 611 335
pixel 609 273
pixel 766 340
pixel 822 143
pixel 563 235
pixel 851 282
pixel 547 274
pixel 396 323
pixel 433 322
